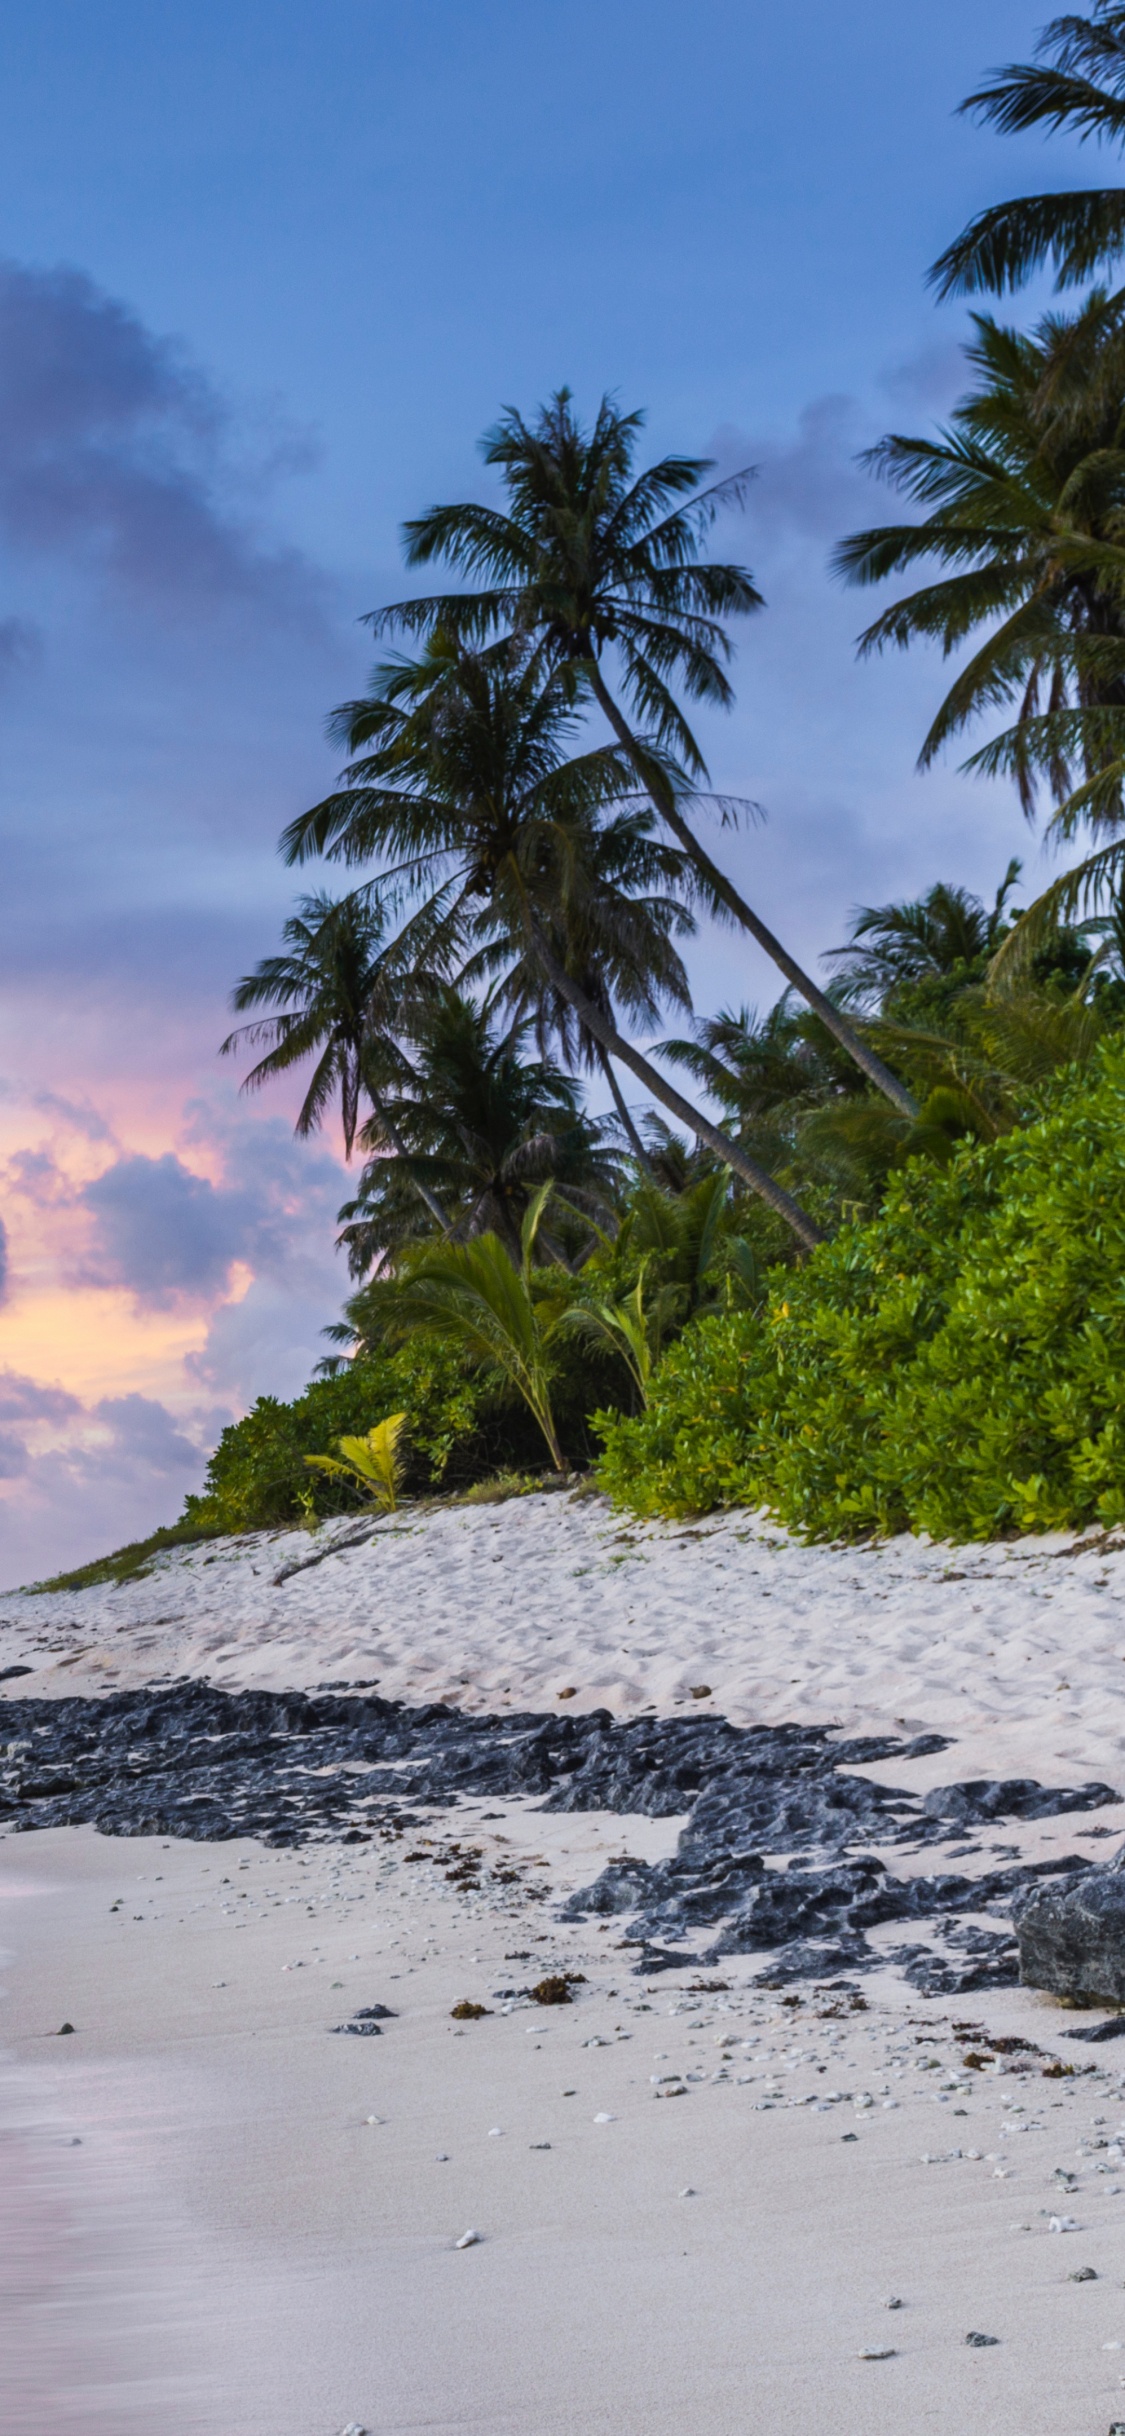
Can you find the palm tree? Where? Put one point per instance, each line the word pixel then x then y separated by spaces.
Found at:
pixel 342 987
pixel 1076 86
pixel 947 934
pixel 632 962
pixel 480 1125
pixel 593 558
pixel 472 804
pixel 1026 497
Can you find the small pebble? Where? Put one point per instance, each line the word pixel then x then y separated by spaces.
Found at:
pixel 689 2191
pixel 539 2144
pixel 442 2157
pixel 1062 2224
pixel 66 2031
pixel 980 2342
pixel 605 2118
pixel 1083 2275
pixel 851 2136
pixel 892 2301
pixel 468 2240
pixel 877 2351
pixel 496 2133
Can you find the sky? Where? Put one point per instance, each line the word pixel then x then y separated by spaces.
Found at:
pixel 266 273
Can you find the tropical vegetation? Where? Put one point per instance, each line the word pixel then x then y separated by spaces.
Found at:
pixel 855 1256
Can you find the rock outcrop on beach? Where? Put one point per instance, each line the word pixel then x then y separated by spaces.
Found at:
pixel 1072 1937
pixel 782 1852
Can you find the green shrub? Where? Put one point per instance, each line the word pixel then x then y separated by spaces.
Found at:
pixel 258 1478
pixel 955 1365
pixel 459 1430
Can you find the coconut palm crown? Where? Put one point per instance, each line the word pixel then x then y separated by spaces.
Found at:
pixel 596 563
pixel 1076 86
pixel 339 989
pixel 473 805
pixel 1025 493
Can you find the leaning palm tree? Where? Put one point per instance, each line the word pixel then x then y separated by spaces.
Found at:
pixel 471 802
pixel 342 987
pixel 595 560
pixel 1076 86
pixel 1025 493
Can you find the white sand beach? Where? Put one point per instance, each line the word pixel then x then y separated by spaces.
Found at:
pixel 233 2223
pixel 1017 1648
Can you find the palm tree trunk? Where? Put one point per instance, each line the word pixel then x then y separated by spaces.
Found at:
pixel 401 1152
pixel 732 1154
pixel 639 1152
pixel 663 796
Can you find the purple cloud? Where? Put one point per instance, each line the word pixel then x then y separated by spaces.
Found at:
pixel 112 450
pixel 166 1233
pixel 24 1399
pixel 27 1400
pixel 145 1432
pixel 807 487
pixel 163 1231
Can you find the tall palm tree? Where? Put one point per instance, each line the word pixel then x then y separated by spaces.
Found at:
pixel 482 1125
pixel 342 987
pixel 1026 497
pixel 593 558
pixel 1076 85
pixel 471 802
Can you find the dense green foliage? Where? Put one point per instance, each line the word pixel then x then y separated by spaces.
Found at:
pixel 954 1365
pixel 258 1477
pixel 948 1115
pixel 461 1428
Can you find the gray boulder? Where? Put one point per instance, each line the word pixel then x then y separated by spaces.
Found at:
pixel 1071 1934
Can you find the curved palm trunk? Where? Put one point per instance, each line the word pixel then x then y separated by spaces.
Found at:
pixel 664 799
pixel 639 1152
pixel 399 1147
pixel 733 1156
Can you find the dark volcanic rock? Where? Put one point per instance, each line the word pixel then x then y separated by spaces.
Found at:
pixel 190 1760
pixel 1072 1938
pixel 982 1801
pixel 975 1958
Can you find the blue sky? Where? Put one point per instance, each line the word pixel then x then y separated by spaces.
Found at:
pixel 267 272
